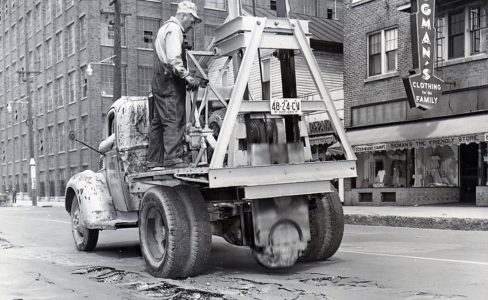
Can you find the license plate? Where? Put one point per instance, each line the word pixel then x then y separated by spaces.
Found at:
pixel 289 106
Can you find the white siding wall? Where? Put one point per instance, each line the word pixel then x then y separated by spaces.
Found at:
pixel 331 66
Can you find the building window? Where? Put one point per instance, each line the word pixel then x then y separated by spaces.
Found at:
pixel 107 74
pixel 71 87
pixel 49 53
pixel 61 181
pixel 13 37
pixel 47 10
pixel 59 91
pixel 82 32
pixel 272 4
pixel 209 33
pixel 475 29
pixel 215 4
pixel 84 128
pixel 456 35
pixel 84 83
pixel 16 146
pixel 147 30
pixel 71 39
pixel 266 68
pixel 29 24
pixel 72 127
pixel 310 7
pixel 59 7
pixel 38 17
pixel 69 3
pixel 40 101
pixel 59 46
pixel 49 96
pixel 107 31
pixel 382 52
pixel 463 31
pixel 37 58
pixel 40 138
pixel 52 184
pixel 61 138
pixel 145 79
pixel 50 140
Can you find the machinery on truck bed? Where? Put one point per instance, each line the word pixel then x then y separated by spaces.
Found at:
pixel 252 179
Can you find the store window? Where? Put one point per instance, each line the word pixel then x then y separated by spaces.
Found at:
pixel 436 166
pixel 382 169
pixel 382 52
pixel 423 167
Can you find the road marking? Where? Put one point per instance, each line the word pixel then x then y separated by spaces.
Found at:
pixel 419 257
pixel 56 221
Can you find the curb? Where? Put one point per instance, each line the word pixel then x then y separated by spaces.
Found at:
pixel 468 224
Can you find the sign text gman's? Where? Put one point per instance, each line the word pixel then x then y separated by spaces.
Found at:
pixel 424 89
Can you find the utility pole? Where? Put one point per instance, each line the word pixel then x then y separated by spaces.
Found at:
pixel 288 77
pixel 30 121
pixel 117 91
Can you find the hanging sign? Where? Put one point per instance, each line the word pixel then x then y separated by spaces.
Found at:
pixel 423 90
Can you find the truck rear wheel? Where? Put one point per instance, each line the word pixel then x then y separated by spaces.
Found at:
pixel 326 227
pixel 85 239
pixel 200 230
pixel 163 232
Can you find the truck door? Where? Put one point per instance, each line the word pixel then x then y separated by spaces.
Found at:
pixel 114 174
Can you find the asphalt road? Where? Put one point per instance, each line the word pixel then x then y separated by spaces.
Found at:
pixel 38 260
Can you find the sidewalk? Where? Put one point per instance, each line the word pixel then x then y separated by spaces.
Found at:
pixel 455 217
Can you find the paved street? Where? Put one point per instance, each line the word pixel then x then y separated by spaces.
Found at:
pixel 38 260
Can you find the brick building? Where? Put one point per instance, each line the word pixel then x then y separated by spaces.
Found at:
pixel 409 156
pixel 63 37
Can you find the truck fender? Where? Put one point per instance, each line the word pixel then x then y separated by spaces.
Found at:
pixel 96 204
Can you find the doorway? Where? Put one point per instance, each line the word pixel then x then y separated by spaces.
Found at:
pixel 468 172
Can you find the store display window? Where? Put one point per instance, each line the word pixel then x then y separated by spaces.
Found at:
pixel 423 167
pixel 436 167
pixel 382 169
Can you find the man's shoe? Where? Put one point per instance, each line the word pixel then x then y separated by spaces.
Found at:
pixel 176 163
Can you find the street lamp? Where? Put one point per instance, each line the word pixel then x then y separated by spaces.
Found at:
pixel 89 69
pixel 10 103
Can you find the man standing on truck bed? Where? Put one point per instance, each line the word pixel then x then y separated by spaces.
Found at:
pixel 170 78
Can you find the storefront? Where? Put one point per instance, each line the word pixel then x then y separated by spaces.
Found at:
pixel 426 162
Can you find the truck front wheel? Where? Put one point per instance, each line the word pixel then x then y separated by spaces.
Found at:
pixel 163 232
pixel 326 227
pixel 85 239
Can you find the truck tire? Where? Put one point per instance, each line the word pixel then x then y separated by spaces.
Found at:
pixel 326 227
pixel 85 239
pixel 200 230
pixel 163 232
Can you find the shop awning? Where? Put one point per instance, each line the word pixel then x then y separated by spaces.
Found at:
pixel 322 140
pixel 453 131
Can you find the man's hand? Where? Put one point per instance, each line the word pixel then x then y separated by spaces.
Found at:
pixel 192 83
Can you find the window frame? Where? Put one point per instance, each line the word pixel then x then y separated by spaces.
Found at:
pixel 443 42
pixel 383 52
pixel 210 6
pixel 143 25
